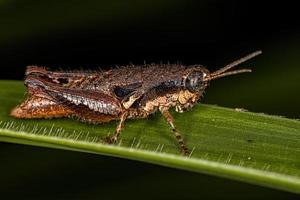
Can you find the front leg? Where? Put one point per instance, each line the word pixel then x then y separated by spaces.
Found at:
pixel 168 117
pixel 112 139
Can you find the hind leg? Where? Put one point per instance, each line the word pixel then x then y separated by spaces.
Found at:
pixel 38 104
pixel 39 107
pixel 60 77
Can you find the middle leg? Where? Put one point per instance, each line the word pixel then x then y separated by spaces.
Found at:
pixel 112 139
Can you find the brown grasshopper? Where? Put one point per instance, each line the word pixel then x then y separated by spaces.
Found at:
pixel 118 94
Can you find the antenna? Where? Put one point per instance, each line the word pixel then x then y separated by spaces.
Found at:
pixel 222 72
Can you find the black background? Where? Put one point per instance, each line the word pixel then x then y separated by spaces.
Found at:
pixel 211 33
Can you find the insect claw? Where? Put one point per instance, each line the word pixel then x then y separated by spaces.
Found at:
pixel 108 140
pixel 185 151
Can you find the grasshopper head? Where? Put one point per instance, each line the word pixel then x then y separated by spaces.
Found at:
pixel 198 77
pixel 195 80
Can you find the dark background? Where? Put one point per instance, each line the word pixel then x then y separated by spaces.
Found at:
pixel 92 34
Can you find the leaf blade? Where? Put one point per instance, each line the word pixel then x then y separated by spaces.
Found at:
pixel 245 146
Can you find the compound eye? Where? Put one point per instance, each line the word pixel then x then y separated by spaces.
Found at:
pixel 194 81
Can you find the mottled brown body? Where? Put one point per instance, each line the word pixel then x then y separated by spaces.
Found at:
pixel 117 94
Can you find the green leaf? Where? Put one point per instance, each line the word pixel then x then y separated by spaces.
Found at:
pixel 232 143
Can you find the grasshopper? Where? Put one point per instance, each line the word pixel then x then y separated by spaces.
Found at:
pixel 122 93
